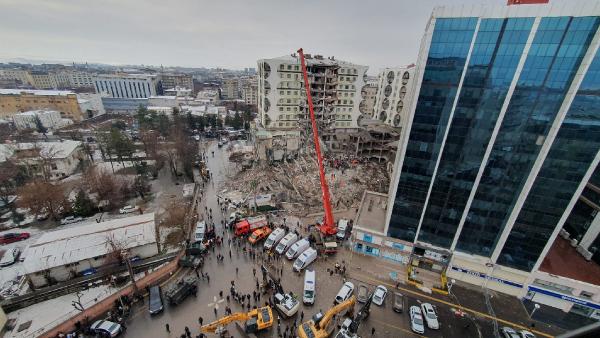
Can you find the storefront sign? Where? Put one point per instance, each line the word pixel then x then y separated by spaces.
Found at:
pixel 485 276
pixel 564 297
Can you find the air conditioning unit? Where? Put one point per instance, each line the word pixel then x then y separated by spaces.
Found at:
pixel 586 254
pixel 574 242
pixel 564 234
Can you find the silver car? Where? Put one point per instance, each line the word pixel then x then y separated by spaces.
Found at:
pixel 416 320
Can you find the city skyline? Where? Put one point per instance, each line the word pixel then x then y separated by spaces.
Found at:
pixel 215 35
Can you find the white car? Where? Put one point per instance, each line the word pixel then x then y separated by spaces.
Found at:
pixel 379 295
pixel 526 334
pixel 430 316
pixel 70 219
pixel 507 332
pixel 10 257
pixel 105 327
pixel 128 209
pixel 416 320
pixel 344 293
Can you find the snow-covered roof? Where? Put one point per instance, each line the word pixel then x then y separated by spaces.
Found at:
pixel 61 149
pixel 35 92
pixel 36 112
pixel 74 244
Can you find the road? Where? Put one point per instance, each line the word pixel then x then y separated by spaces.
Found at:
pixel 239 268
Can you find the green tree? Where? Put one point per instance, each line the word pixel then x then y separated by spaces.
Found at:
pixel 163 125
pixel 141 186
pixel 237 122
pixel 83 205
pixel 123 147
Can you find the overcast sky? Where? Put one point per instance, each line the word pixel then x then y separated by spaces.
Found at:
pixel 215 33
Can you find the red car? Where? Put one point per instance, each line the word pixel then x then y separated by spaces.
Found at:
pixel 13 237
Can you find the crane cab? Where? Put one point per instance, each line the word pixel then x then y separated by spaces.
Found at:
pixel 260 319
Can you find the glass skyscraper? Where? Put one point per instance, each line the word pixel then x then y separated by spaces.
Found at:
pixel 505 131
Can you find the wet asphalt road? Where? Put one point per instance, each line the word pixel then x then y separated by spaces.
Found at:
pixel 386 322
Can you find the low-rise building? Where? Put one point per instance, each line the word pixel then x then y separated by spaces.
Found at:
pixel 49 119
pixel 53 160
pixel 90 104
pixel 123 105
pixel 126 85
pixel 13 101
pixel 64 254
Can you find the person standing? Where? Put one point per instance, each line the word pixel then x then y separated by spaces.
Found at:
pixel 167 327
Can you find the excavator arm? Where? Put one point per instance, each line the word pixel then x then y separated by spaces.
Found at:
pixel 311 330
pixel 212 327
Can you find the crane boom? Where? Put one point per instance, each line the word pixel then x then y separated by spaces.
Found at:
pixel 213 326
pixel 328 228
pixel 256 320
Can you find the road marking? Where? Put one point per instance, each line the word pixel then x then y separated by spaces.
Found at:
pixel 398 328
pixel 475 312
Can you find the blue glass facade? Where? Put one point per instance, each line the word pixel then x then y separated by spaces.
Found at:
pixel 570 156
pixel 496 53
pixel 540 91
pixel 448 52
pixel 555 55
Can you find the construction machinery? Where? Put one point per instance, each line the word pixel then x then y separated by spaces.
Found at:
pixel 182 289
pixel 327 227
pixel 256 320
pixel 319 326
pixel 350 326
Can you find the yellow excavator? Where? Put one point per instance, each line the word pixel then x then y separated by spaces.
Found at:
pixel 319 326
pixel 256 320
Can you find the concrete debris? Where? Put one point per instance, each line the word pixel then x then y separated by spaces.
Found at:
pixel 297 182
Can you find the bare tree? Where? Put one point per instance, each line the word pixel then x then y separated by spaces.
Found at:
pixel 120 253
pixel 77 303
pixel 42 197
pixel 105 185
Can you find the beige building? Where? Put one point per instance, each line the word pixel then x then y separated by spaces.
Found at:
pixel 20 75
pixel 13 101
pixel 230 89
pixel 44 80
pixel 250 92
pixel 173 80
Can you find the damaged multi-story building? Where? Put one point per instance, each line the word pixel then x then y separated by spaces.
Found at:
pixel 336 92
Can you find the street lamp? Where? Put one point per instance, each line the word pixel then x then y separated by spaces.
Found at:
pixel 536 306
pixel 452 281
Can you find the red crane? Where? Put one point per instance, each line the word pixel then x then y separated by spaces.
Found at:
pixel 328 227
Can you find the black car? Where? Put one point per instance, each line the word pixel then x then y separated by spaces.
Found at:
pixel 155 302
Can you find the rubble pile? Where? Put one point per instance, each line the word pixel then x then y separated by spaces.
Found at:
pixel 297 182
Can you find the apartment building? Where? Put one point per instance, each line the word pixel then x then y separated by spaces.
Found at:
pixel 130 86
pixel 391 103
pixel 21 76
pixel 335 87
pixel 174 80
pixel 250 91
pixel 368 94
pixel 43 80
pixel 230 89
pixel 498 163
pixel 13 101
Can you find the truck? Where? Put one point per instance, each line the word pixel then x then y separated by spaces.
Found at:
pixel 182 289
pixel 250 224
pixel 259 234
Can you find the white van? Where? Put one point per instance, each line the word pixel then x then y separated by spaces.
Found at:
pixel 274 238
pixel 286 242
pixel 308 256
pixel 308 296
pixel 297 248
pixel 200 231
pixel 341 229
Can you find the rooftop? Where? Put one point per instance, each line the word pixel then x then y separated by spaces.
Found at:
pixel 73 244
pixel 36 112
pixel 371 214
pixel 563 260
pixel 61 149
pixel 324 61
pixel 36 92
